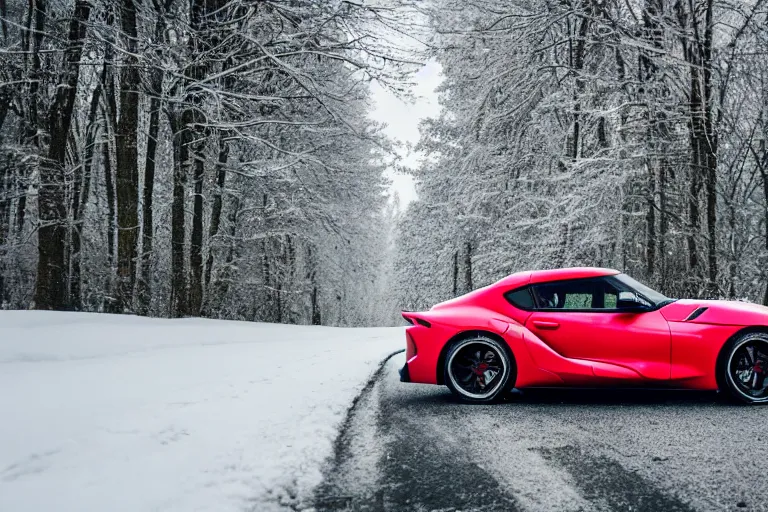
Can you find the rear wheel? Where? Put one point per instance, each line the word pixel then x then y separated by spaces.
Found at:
pixel 479 369
pixel 746 368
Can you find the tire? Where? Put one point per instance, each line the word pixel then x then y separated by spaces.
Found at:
pixel 479 369
pixel 744 371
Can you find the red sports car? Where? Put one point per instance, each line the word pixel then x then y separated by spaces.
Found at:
pixel 586 327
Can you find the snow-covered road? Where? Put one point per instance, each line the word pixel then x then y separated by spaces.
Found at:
pixel 104 412
pixel 412 447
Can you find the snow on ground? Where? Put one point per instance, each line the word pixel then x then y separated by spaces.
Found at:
pixel 107 412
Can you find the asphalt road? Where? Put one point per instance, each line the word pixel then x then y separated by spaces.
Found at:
pixel 410 447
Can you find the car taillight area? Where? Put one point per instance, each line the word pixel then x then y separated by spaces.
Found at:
pixel 410 346
pixel 423 342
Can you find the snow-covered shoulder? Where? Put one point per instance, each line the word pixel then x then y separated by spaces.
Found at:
pixel 106 412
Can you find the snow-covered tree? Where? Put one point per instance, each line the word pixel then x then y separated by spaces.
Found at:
pixel 206 157
pixel 593 132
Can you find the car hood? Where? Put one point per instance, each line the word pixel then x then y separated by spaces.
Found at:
pixel 717 312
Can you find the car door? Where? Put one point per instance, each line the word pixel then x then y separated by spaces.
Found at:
pixel 579 319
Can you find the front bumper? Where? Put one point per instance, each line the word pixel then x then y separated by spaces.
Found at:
pixel 405 375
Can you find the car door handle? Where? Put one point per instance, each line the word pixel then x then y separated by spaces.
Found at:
pixel 545 324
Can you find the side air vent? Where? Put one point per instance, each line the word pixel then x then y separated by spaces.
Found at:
pixel 413 319
pixel 423 322
pixel 696 314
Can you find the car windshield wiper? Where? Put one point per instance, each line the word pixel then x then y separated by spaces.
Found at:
pixel 665 303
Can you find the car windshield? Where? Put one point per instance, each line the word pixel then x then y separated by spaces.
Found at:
pixel 652 295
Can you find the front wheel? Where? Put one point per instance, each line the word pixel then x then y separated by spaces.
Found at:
pixel 746 368
pixel 479 369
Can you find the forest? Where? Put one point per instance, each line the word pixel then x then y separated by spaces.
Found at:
pixel 628 134
pixel 194 157
pixel 218 158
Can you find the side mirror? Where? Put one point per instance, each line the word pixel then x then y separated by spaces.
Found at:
pixel 631 303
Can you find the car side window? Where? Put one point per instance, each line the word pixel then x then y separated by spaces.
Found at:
pixel 520 298
pixel 577 294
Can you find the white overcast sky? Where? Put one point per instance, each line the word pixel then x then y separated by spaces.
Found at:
pixel 402 122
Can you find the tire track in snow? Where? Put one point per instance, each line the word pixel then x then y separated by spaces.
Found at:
pixel 353 467
pixel 407 447
pixel 380 463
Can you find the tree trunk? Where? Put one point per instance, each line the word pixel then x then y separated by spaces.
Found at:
pixel 202 40
pixel 32 122
pixel 37 11
pixel 5 219
pixel 3 22
pixel 577 54
pixel 710 147
pixel 650 221
pixel 266 273
pixel 5 99
pixel 703 144
pixel 693 218
pixel 110 122
pixel 468 268
pixel 213 229
pixel 50 291
pixel 79 201
pixel 290 278
pixel 109 184
pixel 704 167
pixel 226 274
pixel 279 302
pixel 196 242
pixel 181 141
pixel 147 228
pixel 316 320
pixel 455 290
pixel 156 78
pixel 663 222
pixel 762 165
pixel 765 224
pixel 74 245
pixel 314 302
pixel 733 248
pixel 656 131
pixel 126 145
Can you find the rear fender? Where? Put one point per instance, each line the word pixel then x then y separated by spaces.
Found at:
pixel 431 332
pixel 445 327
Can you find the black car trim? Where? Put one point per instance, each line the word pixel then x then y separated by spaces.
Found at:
pixel 405 375
pixel 696 314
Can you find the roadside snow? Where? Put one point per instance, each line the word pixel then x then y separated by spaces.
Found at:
pixel 107 412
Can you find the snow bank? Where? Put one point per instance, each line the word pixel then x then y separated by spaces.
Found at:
pixel 106 412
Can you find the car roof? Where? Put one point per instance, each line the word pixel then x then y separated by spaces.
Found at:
pixel 560 274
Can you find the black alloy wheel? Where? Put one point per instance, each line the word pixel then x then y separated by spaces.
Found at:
pixel 479 369
pixel 746 368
